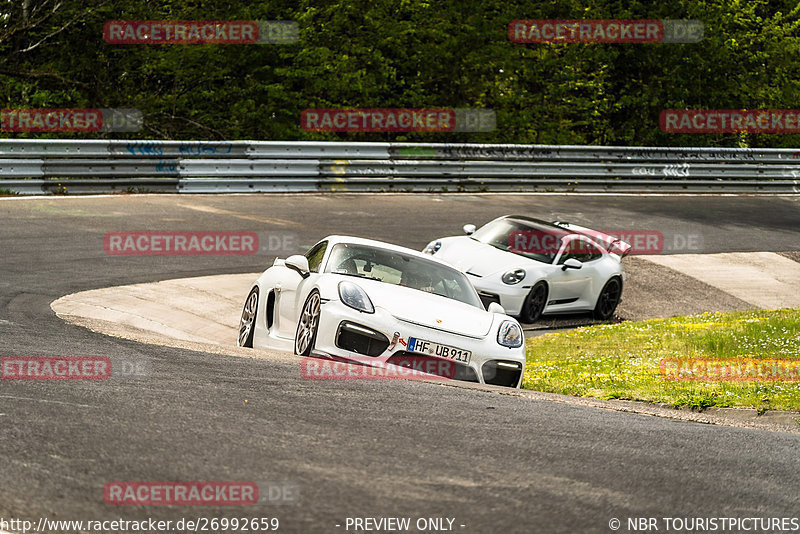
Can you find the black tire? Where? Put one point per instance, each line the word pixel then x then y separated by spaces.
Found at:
pixel 534 303
pixel 248 320
pixel 608 300
pixel 308 325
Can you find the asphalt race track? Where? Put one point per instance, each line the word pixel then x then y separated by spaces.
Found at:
pixel 493 463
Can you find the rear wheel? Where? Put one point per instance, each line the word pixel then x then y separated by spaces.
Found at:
pixel 307 325
pixel 248 322
pixel 534 304
pixel 608 300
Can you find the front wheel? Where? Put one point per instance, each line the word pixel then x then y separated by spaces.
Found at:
pixel 608 300
pixel 534 304
pixel 248 322
pixel 307 325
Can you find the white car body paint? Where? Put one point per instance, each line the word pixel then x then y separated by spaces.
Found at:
pixel 409 312
pixel 569 290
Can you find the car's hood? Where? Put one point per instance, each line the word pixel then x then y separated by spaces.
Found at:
pixel 427 309
pixel 476 258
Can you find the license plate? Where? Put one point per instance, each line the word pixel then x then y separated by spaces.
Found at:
pixel 436 349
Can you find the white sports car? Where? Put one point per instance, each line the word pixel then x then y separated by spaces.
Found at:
pixel 532 267
pixel 357 299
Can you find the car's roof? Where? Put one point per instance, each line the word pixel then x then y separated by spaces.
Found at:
pixel 333 239
pixel 556 228
pixel 533 221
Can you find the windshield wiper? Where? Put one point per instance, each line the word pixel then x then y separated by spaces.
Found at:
pixel 359 276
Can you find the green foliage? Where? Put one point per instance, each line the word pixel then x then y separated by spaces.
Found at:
pixel 408 53
pixel 623 360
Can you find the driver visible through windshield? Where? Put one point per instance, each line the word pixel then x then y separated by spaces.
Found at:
pixel 530 239
pixel 401 269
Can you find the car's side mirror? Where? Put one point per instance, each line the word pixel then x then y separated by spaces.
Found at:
pixel 298 263
pixel 469 229
pixel 494 307
pixel 571 263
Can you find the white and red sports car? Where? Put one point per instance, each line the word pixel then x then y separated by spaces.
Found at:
pixel 367 301
pixel 532 267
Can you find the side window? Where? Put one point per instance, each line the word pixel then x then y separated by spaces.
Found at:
pixel 315 255
pixel 581 250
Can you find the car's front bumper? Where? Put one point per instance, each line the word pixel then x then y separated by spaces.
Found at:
pixel 381 338
pixel 510 298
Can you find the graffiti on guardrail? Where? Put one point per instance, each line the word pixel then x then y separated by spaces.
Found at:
pixel 190 148
pixel 696 154
pixel 527 152
pixel 344 168
pixel 145 148
pixel 669 169
pixel 477 152
pixel 676 169
pixel 167 167
pixel 246 166
pixel 573 153
pixel 200 148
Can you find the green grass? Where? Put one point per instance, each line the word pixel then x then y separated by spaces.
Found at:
pixel 7 192
pixel 621 361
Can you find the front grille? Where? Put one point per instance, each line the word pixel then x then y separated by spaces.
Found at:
pixel 502 373
pixel 360 339
pixel 462 371
pixel 488 298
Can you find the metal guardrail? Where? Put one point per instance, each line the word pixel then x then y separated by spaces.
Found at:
pixel 43 166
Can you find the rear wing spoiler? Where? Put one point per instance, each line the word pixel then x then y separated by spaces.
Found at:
pixel 613 245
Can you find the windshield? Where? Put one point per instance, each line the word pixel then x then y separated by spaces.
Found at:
pixel 532 240
pixel 401 269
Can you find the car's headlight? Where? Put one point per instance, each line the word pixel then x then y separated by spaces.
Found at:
pixel 433 247
pixel 514 277
pixel 355 297
pixel 510 334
